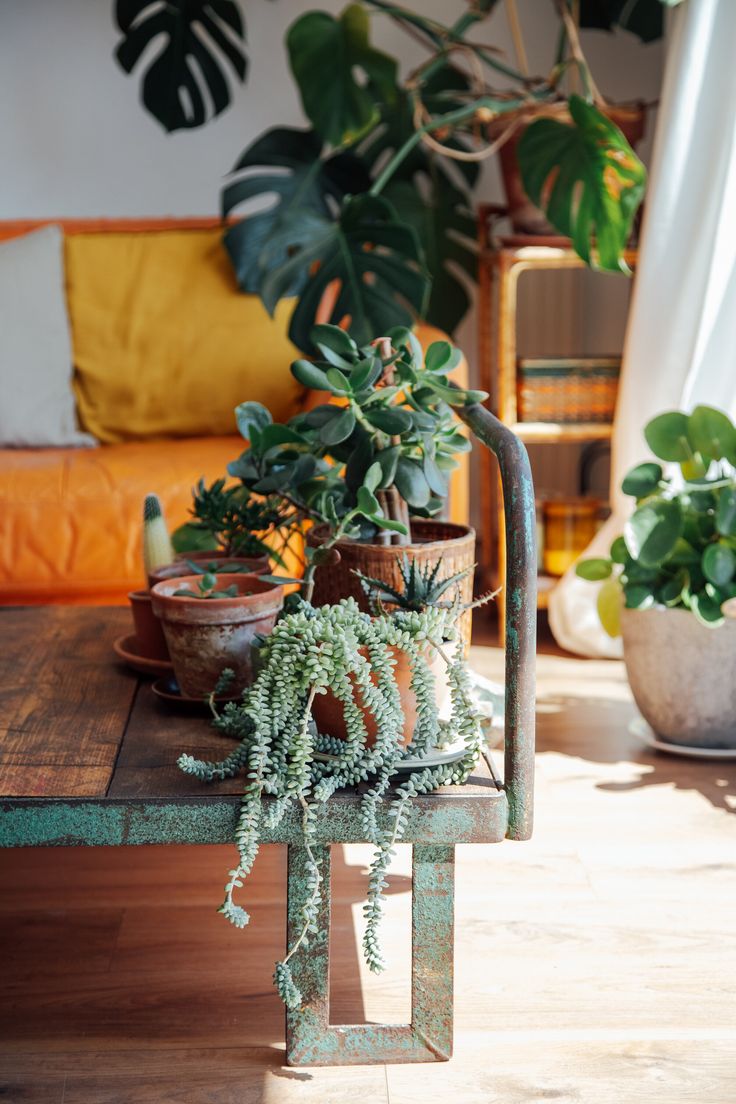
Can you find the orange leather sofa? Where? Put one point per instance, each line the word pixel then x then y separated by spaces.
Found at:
pixel 70 519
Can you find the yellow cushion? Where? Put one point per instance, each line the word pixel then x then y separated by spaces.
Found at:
pixel 164 344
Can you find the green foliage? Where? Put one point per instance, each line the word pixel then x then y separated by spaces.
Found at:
pixel 587 179
pixel 287 763
pixel 679 545
pixel 422 586
pixel 410 145
pixel 187 58
pixel 230 518
pixel 207 588
pixel 386 450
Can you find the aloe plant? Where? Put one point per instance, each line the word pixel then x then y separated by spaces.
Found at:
pixel 678 548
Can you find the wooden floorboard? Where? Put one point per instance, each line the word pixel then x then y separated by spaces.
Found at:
pixel 595 964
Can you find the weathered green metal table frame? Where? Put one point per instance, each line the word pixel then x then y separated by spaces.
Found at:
pixel 484 811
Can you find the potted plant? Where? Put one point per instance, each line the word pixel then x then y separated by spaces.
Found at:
pixel 368 469
pixel 669 576
pixel 230 526
pixel 292 767
pixel 157 550
pixel 374 211
pixel 210 623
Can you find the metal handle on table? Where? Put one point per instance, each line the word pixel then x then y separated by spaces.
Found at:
pixel 521 611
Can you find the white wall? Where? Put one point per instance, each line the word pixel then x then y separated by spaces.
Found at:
pixel 76 142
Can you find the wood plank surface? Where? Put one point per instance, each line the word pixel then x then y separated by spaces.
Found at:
pixel 64 701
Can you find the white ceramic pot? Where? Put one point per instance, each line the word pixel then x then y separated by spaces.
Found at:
pixel 682 675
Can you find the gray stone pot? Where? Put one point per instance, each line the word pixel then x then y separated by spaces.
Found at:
pixel 682 675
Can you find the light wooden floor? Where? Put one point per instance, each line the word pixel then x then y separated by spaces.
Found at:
pixel 595 964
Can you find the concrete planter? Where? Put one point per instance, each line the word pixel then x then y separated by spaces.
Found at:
pixel 682 675
pixel 206 635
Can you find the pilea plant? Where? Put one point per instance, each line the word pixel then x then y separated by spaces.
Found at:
pixel 381 450
pixel 678 548
pixel 207 588
pixel 341 650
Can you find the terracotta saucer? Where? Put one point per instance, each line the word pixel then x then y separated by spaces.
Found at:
pixel 126 648
pixel 167 689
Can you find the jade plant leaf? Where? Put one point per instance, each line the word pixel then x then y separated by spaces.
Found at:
pixel 284 163
pixel 587 179
pixel 372 260
pixel 326 56
pixel 652 531
pixel 202 40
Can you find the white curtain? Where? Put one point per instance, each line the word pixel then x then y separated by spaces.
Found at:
pixel 680 347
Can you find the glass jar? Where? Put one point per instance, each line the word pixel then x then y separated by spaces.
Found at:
pixel 569 526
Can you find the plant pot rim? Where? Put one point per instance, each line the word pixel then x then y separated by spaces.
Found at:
pixel 680 611
pixel 460 534
pixel 261 599
pixel 169 571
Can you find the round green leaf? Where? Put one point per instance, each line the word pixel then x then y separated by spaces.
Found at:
pixel 642 480
pixel 707 611
pixel 411 482
pixel 335 345
pixel 619 552
pixel 368 504
pixel 711 433
pixel 719 564
pixel 652 531
pixel 438 356
pixel 309 375
pixel 670 594
pixel 389 419
pixel 667 436
pixel 373 476
pixel 638 596
pixel 593 569
pixel 388 459
pixel 338 381
pixel 726 512
pixel 252 416
pixel 609 606
pixel 435 478
pixel 339 429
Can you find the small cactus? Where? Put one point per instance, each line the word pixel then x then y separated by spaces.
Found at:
pixel 421 586
pixel 157 549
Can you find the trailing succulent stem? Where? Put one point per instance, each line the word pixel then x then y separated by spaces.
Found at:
pixel 338 649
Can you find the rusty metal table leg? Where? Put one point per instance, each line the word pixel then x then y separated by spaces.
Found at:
pixel 311 1039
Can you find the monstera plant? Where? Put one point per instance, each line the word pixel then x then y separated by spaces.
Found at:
pixel 373 222
pixel 196 37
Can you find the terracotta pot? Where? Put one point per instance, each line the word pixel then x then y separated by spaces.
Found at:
pixel 205 635
pixel 525 217
pixel 431 540
pixel 681 675
pixel 329 714
pixel 251 565
pixel 151 642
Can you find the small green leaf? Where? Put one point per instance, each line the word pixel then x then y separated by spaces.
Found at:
pixel 411 483
pixel 339 429
pixel 208 581
pixel 373 476
pixel 388 459
pixel 619 552
pixel 389 419
pixel 638 596
pixel 335 344
pixel 252 416
pixel 671 593
pixel 707 611
pixel 309 375
pixel 338 382
pixel 726 512
pixel 368 504
pixel 593 569
pixel 365 374
pixel 388 523
pixel 435 478
pixel 719 564
pixel 438 355
pixel 711 433
pixel 667 436
pixel 642 480
pixel 652 531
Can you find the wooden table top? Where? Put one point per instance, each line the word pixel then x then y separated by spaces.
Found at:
pixel 76 723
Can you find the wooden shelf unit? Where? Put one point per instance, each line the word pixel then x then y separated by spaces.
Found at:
pixel 502 261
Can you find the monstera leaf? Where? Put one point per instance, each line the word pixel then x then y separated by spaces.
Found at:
pixel 586 178
pixel 264 240
pixel 435 204
pixel 197 36
pixel 325 55
pixel 372 259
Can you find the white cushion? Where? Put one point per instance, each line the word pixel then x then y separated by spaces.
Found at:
pixel 36 400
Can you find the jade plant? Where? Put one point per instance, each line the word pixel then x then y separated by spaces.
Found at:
pixel 678 548
pixel 378 453
pixel 292 770
pixel 231 520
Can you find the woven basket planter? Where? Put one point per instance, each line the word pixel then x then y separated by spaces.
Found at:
pixel 453 544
